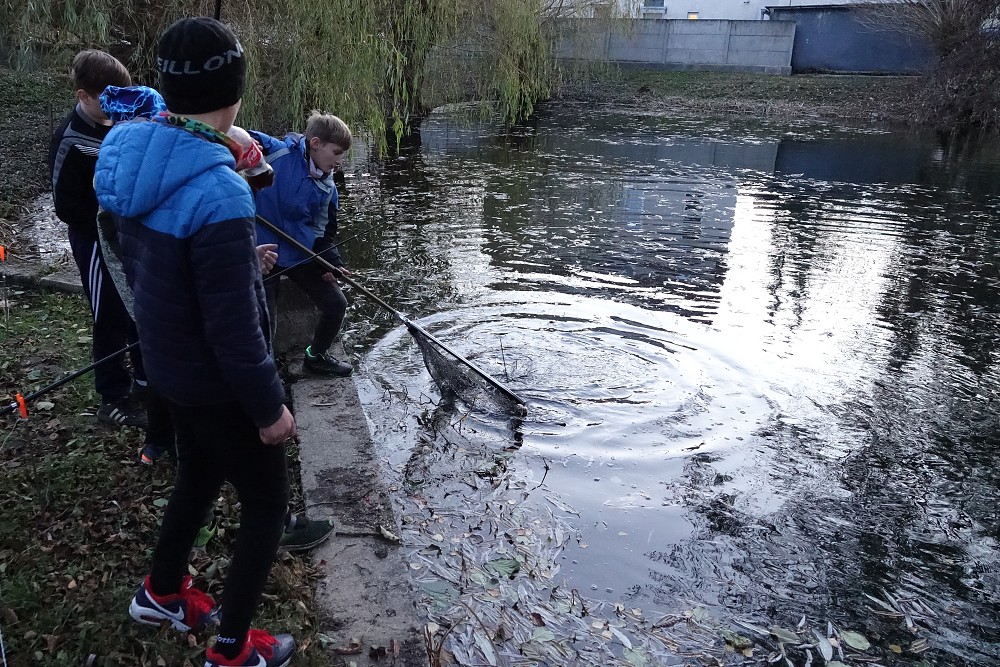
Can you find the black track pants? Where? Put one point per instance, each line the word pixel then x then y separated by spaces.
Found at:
pixel 113 328
pixel 215 444
pixel 328 298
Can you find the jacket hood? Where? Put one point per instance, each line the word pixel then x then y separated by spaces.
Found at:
pixel 142 164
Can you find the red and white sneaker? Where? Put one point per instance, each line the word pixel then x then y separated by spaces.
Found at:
pixel 261 649
pixel 188 610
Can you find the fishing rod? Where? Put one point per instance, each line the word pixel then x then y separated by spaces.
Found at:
pixel 20 403
pixel 413 328
pixel 313 255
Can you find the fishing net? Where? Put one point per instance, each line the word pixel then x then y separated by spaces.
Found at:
pixel 462 382
pixel 453 374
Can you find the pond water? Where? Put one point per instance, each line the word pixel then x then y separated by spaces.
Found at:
pixel 761 367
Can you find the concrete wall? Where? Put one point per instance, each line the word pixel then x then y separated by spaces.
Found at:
pixel 761 46
pixel 835 39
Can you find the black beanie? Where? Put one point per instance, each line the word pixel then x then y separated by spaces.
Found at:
pixel 202 66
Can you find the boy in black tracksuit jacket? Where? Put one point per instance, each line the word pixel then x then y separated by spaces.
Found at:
pixel 73 153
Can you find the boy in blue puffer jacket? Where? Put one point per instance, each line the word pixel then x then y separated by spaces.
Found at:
pixel 303 202
pixel 185 223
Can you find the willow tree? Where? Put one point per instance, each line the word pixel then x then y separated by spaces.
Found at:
pixel 381 65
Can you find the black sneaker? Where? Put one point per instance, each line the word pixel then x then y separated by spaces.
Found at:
pixel 324 364
pixel 301 534
pixel 122 413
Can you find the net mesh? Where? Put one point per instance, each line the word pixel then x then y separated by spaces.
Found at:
pixel 463 382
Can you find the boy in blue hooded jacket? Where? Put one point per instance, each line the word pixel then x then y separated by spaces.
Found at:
pixel 303 203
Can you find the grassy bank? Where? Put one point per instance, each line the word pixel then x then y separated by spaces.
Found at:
pixel 882 99
pixel 79 516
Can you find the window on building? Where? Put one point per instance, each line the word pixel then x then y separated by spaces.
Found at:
pixel 603 10
pixel 653 9
pixel 692 15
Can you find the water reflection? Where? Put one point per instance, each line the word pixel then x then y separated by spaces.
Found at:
pixel 761 360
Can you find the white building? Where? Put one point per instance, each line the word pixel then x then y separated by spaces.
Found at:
pixel 737 10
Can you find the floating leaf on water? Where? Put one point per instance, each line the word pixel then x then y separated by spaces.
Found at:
pixel 561 505
pixel 482 579
pixel 442 593
pixel 855 640
pixel 621 637
pixel 784 635
pixel 506 567
pixel 543 635
pixel 637 657
pixel 736 640
pixel 824 646
pixel 882 603
pixel 751 627
pixel 486 646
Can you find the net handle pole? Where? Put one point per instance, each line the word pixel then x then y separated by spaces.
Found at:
pixel 411 326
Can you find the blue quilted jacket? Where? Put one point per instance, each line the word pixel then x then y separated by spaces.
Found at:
pixel 302 206
pixel 185 223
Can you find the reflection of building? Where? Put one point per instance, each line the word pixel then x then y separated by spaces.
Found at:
pixel 584 213
pixel 874 158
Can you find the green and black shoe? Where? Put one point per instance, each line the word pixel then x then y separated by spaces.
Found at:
pixel 324 364
pixel 302 534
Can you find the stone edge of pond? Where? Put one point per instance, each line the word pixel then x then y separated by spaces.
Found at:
pixel 366 595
